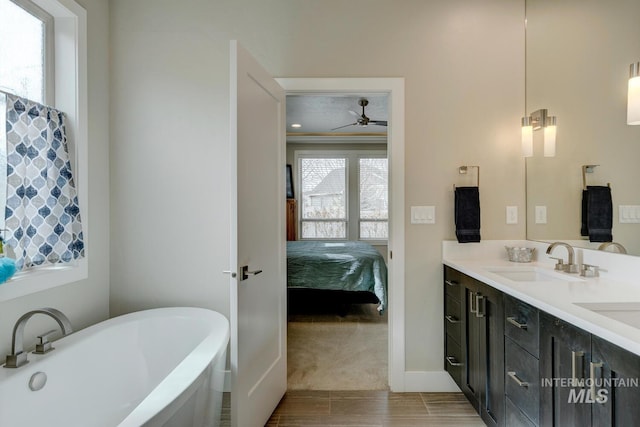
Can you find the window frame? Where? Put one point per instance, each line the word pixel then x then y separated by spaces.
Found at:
pixel 352 178
pixel 68 81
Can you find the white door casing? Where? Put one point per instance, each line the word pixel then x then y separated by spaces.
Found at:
pixel 399 379
pixel 258 303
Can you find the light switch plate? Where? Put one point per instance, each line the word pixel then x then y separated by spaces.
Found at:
pixel 512 214
pixel 629 214
pixel 541 214
pixel 423 214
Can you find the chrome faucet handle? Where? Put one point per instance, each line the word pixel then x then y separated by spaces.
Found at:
pixel 559 263
pixel 44 346
pixel 587 270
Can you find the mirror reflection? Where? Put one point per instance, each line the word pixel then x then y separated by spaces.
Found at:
pixel 578 55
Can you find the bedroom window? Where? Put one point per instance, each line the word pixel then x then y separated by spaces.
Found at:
pixel 324 198
pixel 374 198
pixel 344 194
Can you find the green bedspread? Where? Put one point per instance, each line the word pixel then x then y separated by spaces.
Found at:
pixel 346 266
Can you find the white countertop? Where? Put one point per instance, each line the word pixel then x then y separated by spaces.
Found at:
pixel 556 297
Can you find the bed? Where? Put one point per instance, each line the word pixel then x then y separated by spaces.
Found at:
pixel 350 266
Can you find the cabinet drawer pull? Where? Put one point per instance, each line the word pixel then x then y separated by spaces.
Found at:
pixel 480 301
pixel 518 380
pixel 452 319
pixel 453 361
pixel 574 369
pixel 592 375
pixel 471 299
pixel 517 324
pixel 451 282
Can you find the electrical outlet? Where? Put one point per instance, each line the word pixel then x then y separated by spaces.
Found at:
pixel 512 214
pixel 541 214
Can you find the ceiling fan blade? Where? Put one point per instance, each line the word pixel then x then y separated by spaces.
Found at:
pixel 354 113
pixel 378 122
pixel 350 124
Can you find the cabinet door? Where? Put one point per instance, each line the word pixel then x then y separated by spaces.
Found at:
pixel 564 355
pixel 491 310
pixel 615 373
pixel 472 371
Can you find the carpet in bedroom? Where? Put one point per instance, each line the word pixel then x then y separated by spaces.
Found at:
pixel 332 352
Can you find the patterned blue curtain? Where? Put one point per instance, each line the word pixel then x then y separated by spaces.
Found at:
pixel 42 215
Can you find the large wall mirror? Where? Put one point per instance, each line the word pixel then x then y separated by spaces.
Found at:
pixel 578 54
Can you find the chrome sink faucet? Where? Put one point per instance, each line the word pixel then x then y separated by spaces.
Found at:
pixel 569 267
pixel 616 245
pixel 18 357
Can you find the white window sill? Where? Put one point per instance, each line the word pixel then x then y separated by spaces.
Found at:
pixel 42 278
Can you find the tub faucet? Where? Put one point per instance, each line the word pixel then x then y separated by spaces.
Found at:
pixel 569 267
pixel 605 245
pixel 18 357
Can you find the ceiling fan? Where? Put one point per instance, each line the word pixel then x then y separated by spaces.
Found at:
pixel 363 120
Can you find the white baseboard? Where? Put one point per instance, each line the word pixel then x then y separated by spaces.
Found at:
pixel 429 381
pixel 227 382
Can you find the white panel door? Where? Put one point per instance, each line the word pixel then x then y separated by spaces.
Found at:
pixel 258 298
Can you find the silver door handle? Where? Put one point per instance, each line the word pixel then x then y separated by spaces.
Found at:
pixel 592 375
pixel 480 300
pixel 245 273
pixel 574 368
pixel 232 273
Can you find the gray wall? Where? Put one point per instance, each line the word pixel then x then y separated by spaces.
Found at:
pixel 463 64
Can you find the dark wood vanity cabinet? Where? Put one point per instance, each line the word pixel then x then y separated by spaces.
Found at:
pixel 618 371
pixel 606 391
pixel 565 352
pixel 521 363
pixel 517 364
pixel 479 368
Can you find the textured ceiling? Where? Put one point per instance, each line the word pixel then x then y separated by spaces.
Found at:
pixel 319 113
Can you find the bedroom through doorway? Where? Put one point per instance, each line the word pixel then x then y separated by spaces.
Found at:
pixel 338 229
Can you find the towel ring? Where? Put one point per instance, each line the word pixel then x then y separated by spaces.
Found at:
pixel 589 169
pixel 462 170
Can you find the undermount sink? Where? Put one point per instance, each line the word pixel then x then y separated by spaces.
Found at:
pixel 625 312
pixel 532 274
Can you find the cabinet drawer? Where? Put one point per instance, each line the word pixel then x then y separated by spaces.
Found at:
pixel 452 282
pixel 522 376
pixel 521 324
pixel 453 360
pixel 514 417
pixel 452 317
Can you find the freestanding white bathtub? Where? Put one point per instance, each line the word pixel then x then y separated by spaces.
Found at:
pixel 161 367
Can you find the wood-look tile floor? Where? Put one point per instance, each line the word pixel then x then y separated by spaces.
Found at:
pixel 373 409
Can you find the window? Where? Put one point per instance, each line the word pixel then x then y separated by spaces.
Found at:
pixel 28 71
pixel 324 198
pixel 374 198
pixel 25 33
pixel 344 195
pixel 25 50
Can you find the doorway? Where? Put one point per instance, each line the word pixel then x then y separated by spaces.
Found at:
pixel 393 89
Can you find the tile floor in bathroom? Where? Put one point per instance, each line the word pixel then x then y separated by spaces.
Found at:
pixel 373 408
